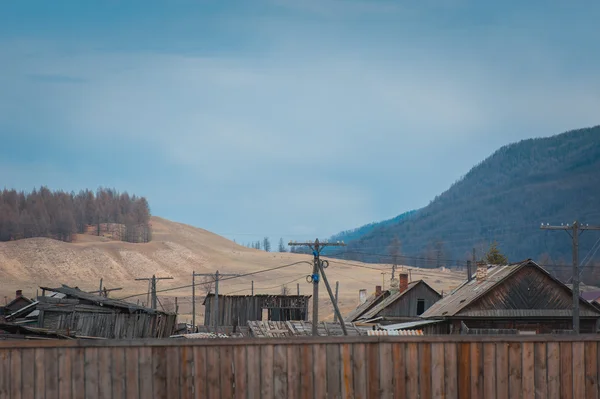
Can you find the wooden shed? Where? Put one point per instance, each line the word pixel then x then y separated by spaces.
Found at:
pixel 522 297
pixel 239 309
pixel 91 315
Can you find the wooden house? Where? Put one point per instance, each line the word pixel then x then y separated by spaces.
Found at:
pixel 19 302
pixel 239 309
pixel 519 298
pixel 405 302
pixel 90 315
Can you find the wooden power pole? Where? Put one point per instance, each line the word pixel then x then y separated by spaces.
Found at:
pixel 319 266
pixel 153 281
pixel 573 231
pixel 217 276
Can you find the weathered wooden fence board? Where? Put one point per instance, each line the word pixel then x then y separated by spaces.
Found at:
pixel 373 367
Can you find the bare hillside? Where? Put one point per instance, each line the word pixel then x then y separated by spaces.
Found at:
pixel 176 251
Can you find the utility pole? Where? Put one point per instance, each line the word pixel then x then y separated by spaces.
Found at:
pixel 316 247
pixel 383 280
pixel 153 281
pixel 252 287
pixel 298 289
pixel 217 276
pixel 337 287
pixel 575 229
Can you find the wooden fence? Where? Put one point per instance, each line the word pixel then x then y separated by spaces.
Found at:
pixel 354 367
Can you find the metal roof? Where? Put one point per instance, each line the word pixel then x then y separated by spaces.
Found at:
pixel 530 313
pixel 590 295
pixel 409 324
pixel 371 313
pixel 470 291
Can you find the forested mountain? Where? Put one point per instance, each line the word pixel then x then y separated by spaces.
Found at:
pixel 505 198
pixel 59 215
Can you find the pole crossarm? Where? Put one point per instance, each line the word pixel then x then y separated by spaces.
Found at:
pixel 217 277
pixel 318 266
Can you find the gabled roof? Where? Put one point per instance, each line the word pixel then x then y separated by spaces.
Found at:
pixel 470 291
pixel 395 296
pixel 371 301
pixel 20 297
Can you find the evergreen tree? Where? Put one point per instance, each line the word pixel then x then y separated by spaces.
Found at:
pixel 494 257
pixel 282 246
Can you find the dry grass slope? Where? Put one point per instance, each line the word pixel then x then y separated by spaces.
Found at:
pixel 177 250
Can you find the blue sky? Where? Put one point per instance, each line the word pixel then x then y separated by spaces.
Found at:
pixel 279 117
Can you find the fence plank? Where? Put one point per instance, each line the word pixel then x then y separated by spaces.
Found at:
pixel 91 373
pixel 146 379
pixel 359 369
pixel 77 356
pixel 566 370
pixel 541 371
pixel 591 370
pixel 241 372
pixel 213 383
pixel 347 380
pixel 226 367
pixel 64 373
pixel 464 371
pixel 173 373
pixel 399 360
pixel 412 371
pixel 489 370
pixel 4 373
pixel 293 372
pixel 515 375
pixel 104 373
pixel 266 371
pixel 334 383
pixel 306 372
pixel 159 372
pixel 553 356
pixel 425 369
pixel 186 364
pixel 502 370
pixel 200 383
pixel 386 371
pixel 16 366
pixel 578 370
pixel 437 370
pixel 528 365
pixel 280 371
pixel 450 370
pixel 373 370
pixel 132 381
pixel 476 370
pixel 28 373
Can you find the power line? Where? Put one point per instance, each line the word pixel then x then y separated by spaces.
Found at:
pixel 153 281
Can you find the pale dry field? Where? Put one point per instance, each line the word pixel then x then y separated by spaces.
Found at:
pixel 177 250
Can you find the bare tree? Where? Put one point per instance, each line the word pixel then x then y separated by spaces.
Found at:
pixel 285 290
pixel 207 284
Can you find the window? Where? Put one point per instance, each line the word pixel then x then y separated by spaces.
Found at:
pixel 420 306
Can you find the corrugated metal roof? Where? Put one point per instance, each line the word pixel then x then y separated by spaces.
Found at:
pixel 371 313
pixel 393 333
pixel 590 295
pixel 470 291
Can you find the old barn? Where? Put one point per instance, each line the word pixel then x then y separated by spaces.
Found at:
pixel 517 298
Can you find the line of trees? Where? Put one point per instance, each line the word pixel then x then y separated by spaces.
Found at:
pixel 265 245
pixel 60 215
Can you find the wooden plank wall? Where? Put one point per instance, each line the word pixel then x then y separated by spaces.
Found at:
pixel 353 367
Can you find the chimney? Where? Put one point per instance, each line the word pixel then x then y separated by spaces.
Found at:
pixel 469 273
pixel 362 296
pixel 377 290
pixel 403 282
pixel 481 271
pixel 19 293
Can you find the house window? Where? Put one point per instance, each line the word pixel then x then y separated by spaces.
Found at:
pixel 420 306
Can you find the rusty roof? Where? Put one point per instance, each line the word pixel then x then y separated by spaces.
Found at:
pixel 470 291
